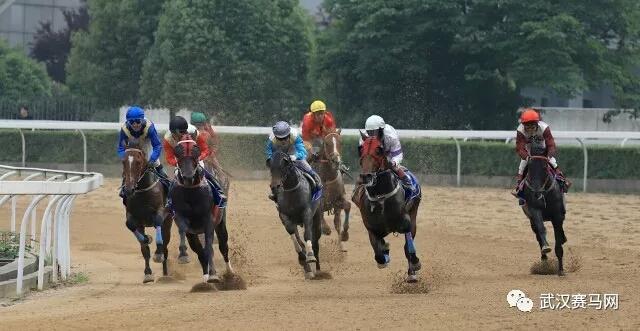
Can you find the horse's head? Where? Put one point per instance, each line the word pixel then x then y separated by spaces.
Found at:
pixel 133 167
pixel 538 173
pixel 187 153
pixel 332 144
pixel 279 165
pixel 372 158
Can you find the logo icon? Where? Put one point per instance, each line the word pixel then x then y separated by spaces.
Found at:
pixel 518 299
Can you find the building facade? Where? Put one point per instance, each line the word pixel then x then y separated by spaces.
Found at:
pixel 20 19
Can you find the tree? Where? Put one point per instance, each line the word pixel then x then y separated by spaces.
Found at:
pixel 20 77
pixel 106 61
pixel 462 64
pixel 246 60
pixel 53 47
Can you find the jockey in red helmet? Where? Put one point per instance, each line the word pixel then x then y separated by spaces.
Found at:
pixel 532 129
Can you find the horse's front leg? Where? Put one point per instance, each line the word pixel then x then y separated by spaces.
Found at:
pixel 298 244
pixel 144 241
pixel 346 206
pixel 560 239
pixel 166 235
pixel 380 250
pixel 158 256
pixel 537 225
pixel 307 221
pixel 208 252
pixel 223 240
pixel 183 256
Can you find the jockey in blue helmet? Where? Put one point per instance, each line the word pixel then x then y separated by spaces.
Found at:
pixel 139 130
pixel 284 138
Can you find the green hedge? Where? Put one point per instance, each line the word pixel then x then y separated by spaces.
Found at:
pixel 421 155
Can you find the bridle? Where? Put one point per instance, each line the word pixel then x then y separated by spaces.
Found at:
pixel 146 170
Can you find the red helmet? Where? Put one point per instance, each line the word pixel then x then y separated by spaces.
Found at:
pixel 529 115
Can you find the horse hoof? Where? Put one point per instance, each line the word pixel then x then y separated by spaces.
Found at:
pixel 415 266
pixel 543 257
pixel 213 279
pixel 343 246
pixel 205 278
pixel 561 273
pixel 147 279
pixel 158 258
pixel 382 266
pixel 183 259
pixel 344 236
pixel 326 230
pixel 546 249
pixel 309 275
pixel 412 279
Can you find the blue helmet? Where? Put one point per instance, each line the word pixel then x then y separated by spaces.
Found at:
pixel 135 113
pixel 281 129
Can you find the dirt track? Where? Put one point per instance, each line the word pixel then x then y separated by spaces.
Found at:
pixel 475 245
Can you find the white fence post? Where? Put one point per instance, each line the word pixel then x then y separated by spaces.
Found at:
pixel 63 194
pixel 586 164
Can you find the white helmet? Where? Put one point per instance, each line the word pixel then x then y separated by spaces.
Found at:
pixel 374 122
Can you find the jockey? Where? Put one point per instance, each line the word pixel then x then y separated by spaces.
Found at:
pixel 199 120
pixel 317 123
pixel 177 127
pixel 141 131
pixel 287 140
pixel 532 129
pixel 375 126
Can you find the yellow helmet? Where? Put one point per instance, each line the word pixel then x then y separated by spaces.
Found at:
pixel 317 106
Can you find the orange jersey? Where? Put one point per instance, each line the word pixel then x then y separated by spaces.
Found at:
pixel 211 138
pixel 311 130
pixel 169 148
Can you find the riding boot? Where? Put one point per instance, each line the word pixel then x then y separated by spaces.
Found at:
pixel 217 190
pixel 516 189
pixel 316 178
pixel 164 178
pixel 404 178
pixel 565 184
pixel 122 194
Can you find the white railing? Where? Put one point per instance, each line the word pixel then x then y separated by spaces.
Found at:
pixel 61 187
pixel 582 137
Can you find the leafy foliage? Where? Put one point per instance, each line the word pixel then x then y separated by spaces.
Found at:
pixel 21 77
pixel 246 60
pixel 106 62
pixel 462 64
pixel 53 47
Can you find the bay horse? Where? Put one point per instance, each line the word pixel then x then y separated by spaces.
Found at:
pixel 296 207
pixel 544 202
pixel 145 207
pixel 330 167
pixel 384 209
pixel 194 210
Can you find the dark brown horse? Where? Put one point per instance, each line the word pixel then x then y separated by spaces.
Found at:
pixel 145 207
pixel 544 202
pixel 194 210
pixel 330 167
pixel 382 203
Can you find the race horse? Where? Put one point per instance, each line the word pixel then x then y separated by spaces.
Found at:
pixel 194 210
pixel 224 179
pixel 297 207
pixel 328 163
pixel 544 201
pixel 145 207
pixel 386 207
